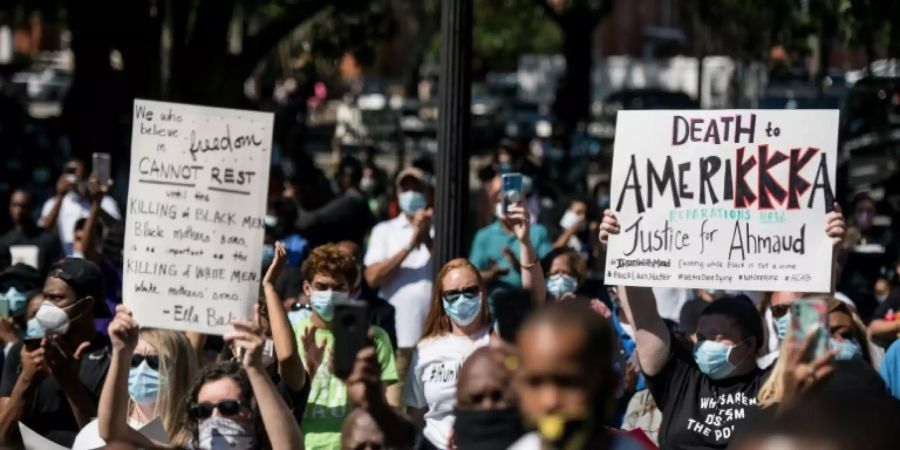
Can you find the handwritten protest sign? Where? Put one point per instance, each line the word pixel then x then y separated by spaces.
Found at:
pixel 196 208
pixel 723 199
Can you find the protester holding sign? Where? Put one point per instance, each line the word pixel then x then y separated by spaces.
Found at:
pixel 52 384
pixel 151 372
pixel 329 273
pixel 689 388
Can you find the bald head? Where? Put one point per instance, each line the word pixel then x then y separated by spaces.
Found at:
pixel 485 381
pixel 360 432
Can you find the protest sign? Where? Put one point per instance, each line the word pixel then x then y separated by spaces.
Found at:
pixel 196 209
pixel 723 199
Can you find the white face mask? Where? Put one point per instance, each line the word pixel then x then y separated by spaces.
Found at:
pixel 222 433
pixel 53 319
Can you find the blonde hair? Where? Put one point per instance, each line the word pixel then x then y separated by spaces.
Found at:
pixel 772 391
pixel 177 367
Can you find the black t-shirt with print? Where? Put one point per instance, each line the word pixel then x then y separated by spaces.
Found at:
pixel 49 413
pixel 699 412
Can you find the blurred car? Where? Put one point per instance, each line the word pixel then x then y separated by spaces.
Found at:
pixel 604 126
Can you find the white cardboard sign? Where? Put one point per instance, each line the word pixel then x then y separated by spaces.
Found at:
pixel 723 199
pixel 195 215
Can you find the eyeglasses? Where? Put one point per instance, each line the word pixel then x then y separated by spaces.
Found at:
pixel 152 361
pixel 452 296
pixel 779 310
pixel 227 408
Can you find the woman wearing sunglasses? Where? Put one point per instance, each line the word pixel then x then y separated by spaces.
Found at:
pixel 156 375
pixel 457 325
pixel 226 408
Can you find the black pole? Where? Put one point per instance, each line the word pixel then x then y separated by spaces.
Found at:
pixel 452 165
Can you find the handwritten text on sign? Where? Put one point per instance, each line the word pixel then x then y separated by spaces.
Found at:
pixel 723 199
pixel 196 204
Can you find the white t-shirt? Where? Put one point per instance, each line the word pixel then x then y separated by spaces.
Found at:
pixel 669 301
pixel 433 371
pixel 75 207
pixel 409 288
pixel 89 436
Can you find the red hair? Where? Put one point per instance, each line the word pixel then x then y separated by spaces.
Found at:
pixel 438 323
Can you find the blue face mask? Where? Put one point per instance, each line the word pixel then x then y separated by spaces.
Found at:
pixel 411 202
pixel 268 255
pixel 559 285
pixel 34 329
pixel 504 167
pixel 781 326
pixel 143 384
pixel 713 359
pixel 322 303
pixel 464 309
pixel 847 349
pixel 16 300
pixel 297 316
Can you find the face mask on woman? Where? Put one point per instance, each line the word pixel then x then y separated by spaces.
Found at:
pixel 143 384
pixel 411 202
pixel 221 433
pixel 33 329
pixel 569 219
pixel 713 359
pixel 464 309
pixel 53 319
pixel 16 300
pixel 847 349
pixel 560 284
pixel 322 302
pixel 781 326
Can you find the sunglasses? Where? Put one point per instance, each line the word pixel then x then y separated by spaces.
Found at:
pixel 780 310
pixel 452 296
pixel 152 361
pixel 227 408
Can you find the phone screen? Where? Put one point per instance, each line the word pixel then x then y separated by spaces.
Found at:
pixel 511 190
pixel 101 167
pixel 810 316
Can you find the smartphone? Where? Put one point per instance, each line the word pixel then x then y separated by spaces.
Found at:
pixel 510 191
pixel 349 326
pixel 810 316
pixel 4 306
pixel 101 168
pixel 32 343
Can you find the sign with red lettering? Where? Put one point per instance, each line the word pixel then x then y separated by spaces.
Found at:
pixel 196 215
pixel 723 199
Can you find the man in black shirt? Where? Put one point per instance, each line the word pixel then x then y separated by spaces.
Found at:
pixel 52 386
pixel 25 231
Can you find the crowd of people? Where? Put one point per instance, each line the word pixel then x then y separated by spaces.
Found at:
pixel 518 345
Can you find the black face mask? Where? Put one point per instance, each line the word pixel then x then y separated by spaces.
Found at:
pixel 493 429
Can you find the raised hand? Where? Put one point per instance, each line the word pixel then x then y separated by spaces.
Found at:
pixel 123 330
pixel 64 184
pixel 802 372
pixel 518 219
pixel 248 336
pixel 422 223
pixel 315 354
pixel 609 226
pixel 836 227
pixel 34 365
pixel 277 264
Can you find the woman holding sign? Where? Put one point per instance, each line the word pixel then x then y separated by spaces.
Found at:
pixel 705 394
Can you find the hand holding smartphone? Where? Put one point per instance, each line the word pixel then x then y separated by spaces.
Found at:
pixel 350 327
pixel 101 168
pixel 810 316
pixel 510 190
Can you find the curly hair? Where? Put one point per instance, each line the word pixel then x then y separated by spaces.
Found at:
pixel 330 260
